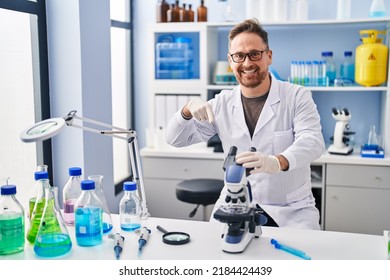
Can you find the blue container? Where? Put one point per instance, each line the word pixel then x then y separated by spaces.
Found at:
pixel 174 60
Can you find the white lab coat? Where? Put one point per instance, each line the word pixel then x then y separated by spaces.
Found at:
pixel 289 125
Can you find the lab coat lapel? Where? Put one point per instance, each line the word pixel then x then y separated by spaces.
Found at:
pixel 238 111
pixel 269 108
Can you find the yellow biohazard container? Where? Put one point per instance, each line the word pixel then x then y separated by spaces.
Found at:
pixel 371 59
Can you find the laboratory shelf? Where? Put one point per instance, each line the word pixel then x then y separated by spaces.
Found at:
pixel 352 88
pixel 311 23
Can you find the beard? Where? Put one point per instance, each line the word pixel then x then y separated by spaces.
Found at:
pixel 252 80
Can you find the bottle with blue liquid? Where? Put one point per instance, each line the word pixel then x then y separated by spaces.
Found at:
pixel 330 67
pixel 107 221
pixel 130 208
pixel 88 216
pixel 347 68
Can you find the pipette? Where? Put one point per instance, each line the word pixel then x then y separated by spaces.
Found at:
pixel 119 240
pixel 290 250
pixel 143 238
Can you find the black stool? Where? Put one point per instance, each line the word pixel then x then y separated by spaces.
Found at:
pixel 199 191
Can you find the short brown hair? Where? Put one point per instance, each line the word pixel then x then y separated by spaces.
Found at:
pixel 250 26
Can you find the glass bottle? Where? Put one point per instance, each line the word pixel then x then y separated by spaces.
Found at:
pixel 37 206
pixel 107 221
pixel 53 239
pixel 11 222
pixel 184 14
pixel 347 68
pixel 162 8
pixel 202 12
pixel 36 191
pixel 71 193
pixel 378 9
pixel 191 14
pixel 330 66
pixel 88 216
pixel 173 14
pixel 130 208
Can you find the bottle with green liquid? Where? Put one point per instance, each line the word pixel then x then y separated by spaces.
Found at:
pixel 37 204
pixel 36 191
pixel 11 222
pixel 52 239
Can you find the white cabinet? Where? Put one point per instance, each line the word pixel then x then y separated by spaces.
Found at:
pixel 164 170
pixel 357 198
pixel 318 188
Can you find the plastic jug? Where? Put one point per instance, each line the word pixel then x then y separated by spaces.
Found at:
pixel 371 59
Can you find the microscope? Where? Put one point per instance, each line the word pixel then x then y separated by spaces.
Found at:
pixel 341 145
pixel 243 220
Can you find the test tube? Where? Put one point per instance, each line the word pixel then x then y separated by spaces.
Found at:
pixel 307 73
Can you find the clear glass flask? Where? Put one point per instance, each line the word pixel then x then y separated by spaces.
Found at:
pixel 71 193
pixel 373 140
pixel 88 216
pixel 53 239
pixel 378 9
pixel 107 221
pixel 11 222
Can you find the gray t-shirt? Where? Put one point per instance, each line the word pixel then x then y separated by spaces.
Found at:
pixel 252 110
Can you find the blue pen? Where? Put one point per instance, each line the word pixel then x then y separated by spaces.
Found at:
pixel 290 250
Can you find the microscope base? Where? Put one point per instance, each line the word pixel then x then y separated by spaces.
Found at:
pixel 236 248
pixel 340 151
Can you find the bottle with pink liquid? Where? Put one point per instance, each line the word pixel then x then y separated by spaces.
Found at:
pixel 71 192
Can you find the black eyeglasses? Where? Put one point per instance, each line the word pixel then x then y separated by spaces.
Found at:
pixel 253 56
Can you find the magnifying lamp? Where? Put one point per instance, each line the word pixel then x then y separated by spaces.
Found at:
pixel 49 128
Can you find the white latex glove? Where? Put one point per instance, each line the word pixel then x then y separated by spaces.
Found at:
pixel 200 110
pixel 258 161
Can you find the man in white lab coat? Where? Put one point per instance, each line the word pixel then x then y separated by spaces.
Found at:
pixel 277 118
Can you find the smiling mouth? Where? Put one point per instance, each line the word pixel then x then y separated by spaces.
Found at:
pixel 248 72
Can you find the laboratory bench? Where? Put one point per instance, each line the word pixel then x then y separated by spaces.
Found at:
pixel 205 244
pixel 352 192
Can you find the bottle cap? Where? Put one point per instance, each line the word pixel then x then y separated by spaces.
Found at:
pixel 8 189
pixel 41 175
pixel 87 185
pixel 347 53
pixel 129 186
pixel 74 171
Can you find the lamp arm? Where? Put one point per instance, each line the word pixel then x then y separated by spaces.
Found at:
pixel 137 174
pixel 131 138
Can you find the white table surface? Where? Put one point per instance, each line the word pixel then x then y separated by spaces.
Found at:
pixel 206 244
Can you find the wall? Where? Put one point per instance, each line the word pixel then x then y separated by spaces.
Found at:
pixel 80 79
